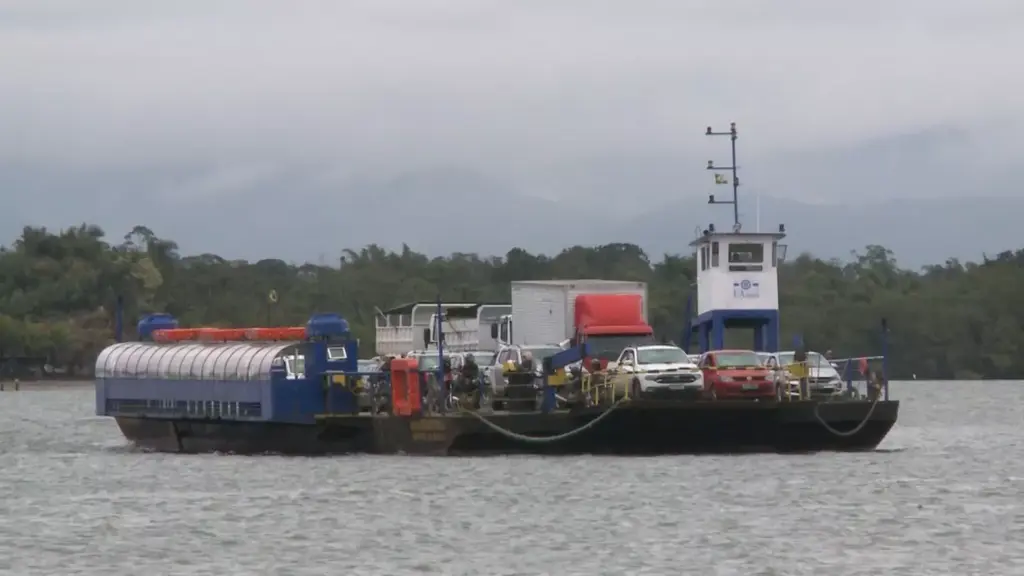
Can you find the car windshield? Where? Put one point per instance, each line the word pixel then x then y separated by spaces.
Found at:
pixel 609 346
pixel 427 362
pixel 482 357
pixel 813 359
pixel 666 355
pixel 737 360
pixel 542 353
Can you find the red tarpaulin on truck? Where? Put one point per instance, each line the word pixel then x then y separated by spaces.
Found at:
pixel 630 329
pixel 610 311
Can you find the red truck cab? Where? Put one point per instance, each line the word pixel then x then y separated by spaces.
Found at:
pixel 610 323
pixel 736 374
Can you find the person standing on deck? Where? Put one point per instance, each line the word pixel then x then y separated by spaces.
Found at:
pixel 469 369
pixel 526 364
pixel 800 367
pixel 598 379
pixel 469 374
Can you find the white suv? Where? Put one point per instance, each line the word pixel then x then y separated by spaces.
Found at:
pixel 656 371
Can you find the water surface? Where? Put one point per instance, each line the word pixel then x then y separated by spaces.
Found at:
pixel 942 496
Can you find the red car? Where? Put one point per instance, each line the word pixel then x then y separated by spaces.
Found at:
pixel 730 374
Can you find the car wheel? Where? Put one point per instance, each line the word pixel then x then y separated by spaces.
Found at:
pixel 635 390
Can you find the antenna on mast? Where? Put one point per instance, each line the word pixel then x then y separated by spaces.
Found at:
pixel 720 179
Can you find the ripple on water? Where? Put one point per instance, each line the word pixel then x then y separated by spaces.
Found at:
pixel 941 496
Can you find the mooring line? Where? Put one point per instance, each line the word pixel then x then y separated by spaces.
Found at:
pixel 546 439
pixel 848 433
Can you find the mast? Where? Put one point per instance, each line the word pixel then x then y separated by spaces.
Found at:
pixel 719 179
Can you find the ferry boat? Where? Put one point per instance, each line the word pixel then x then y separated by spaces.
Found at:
pixel 299 390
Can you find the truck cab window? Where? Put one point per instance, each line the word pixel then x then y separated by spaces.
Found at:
pixel 610 346
pixel 503 329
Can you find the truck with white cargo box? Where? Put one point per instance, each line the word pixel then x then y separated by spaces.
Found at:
pixel 465 326
pixel 608 314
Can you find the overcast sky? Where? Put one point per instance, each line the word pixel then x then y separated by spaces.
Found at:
pixel 511 88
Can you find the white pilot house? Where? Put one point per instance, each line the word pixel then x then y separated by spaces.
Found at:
pixel 738 286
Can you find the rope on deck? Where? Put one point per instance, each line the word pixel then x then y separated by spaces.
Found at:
pixel 858 428
pixel 546 439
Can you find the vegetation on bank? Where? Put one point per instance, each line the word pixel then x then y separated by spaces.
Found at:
pixel 57 293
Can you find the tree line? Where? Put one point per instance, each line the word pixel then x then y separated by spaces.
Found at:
pixel 58 289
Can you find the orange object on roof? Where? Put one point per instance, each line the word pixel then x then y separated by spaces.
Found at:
pixel 207 334
pixel 284 333
pixel 220 334
pixel 175 334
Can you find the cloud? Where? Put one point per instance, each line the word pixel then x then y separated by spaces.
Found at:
pixel 498 85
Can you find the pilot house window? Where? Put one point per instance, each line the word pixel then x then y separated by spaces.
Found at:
pixel 746 257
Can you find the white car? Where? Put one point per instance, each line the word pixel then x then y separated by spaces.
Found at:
pixel 655 371
pixel 823 378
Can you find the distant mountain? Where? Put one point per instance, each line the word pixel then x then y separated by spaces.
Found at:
pixel 297 216
pixel 433 212
pixel 302 216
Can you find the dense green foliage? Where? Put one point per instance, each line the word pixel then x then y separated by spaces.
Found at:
pixel 57 292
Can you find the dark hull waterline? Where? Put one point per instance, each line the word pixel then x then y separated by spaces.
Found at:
pixel 636 428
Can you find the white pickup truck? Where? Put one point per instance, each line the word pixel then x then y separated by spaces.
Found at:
pixel 656 370
pixel 514 354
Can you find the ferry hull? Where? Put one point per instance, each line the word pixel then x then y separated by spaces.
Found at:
pixel 637 428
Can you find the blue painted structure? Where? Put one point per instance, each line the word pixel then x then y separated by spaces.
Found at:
pixel 153 322
pixel 238 380
pixel 439 318
pixel 711 327
pixel 556 362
